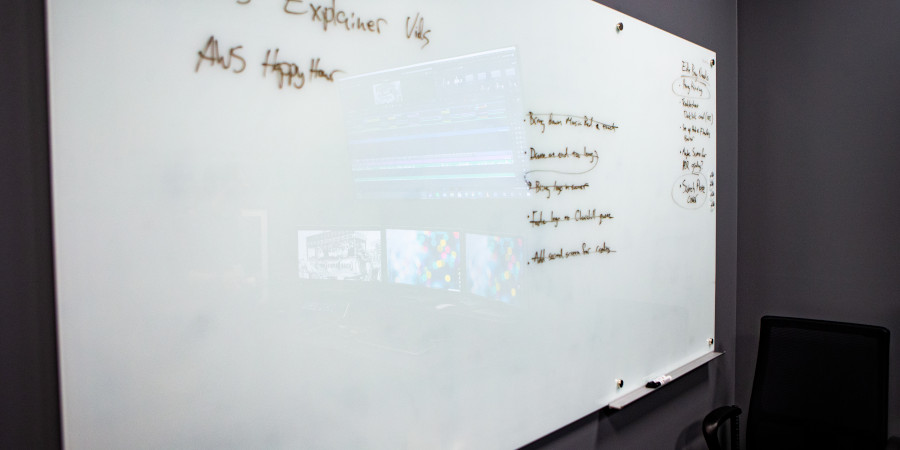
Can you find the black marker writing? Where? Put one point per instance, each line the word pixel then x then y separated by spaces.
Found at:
pixel 334 17
pixel 590 156
pixel 417 29
pixel 315 72
pixel 568 120
pixel 537 187
pixel 211 53
pixel 536 218
pixel 288 73
pixel 542 256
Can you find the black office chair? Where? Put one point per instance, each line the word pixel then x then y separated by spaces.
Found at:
pixel 818 385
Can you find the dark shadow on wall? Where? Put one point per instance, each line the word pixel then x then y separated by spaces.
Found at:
pixel 29 399
pixel 819 163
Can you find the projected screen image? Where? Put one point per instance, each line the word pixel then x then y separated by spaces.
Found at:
pixel 424 258
pixel 493 266
pixel 450 128
pixel 339 255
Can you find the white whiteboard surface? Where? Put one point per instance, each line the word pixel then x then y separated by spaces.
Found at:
pixel 363 224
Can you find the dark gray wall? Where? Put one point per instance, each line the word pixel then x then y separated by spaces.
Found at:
pixel 29 415
pixel 819 215
pixel 670 418
pixel 820 114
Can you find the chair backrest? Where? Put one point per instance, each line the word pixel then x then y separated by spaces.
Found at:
pixel 819 384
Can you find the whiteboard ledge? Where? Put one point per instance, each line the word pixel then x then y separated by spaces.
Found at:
pixel 630 397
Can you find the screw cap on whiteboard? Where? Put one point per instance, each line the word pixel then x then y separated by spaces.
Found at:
pixel 620 383
pixel 620 26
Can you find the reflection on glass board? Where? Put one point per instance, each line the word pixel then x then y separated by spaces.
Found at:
pixel 340 255
pixel 445 129
pixel 424 258
pixel 493 266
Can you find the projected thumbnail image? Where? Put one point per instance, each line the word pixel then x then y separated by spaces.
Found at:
pixel 493 265
pixel 339 255
pixel 424 258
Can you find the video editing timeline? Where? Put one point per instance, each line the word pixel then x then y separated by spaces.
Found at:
pixel 485 266
pixel 450 128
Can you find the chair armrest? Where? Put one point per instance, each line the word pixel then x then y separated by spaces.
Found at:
pixel 714 419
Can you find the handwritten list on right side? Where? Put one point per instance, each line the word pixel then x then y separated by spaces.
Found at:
pixel 695 186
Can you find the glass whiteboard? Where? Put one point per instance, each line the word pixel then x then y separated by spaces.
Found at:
pixel 366 224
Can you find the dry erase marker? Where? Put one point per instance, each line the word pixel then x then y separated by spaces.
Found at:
pixel 657 382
